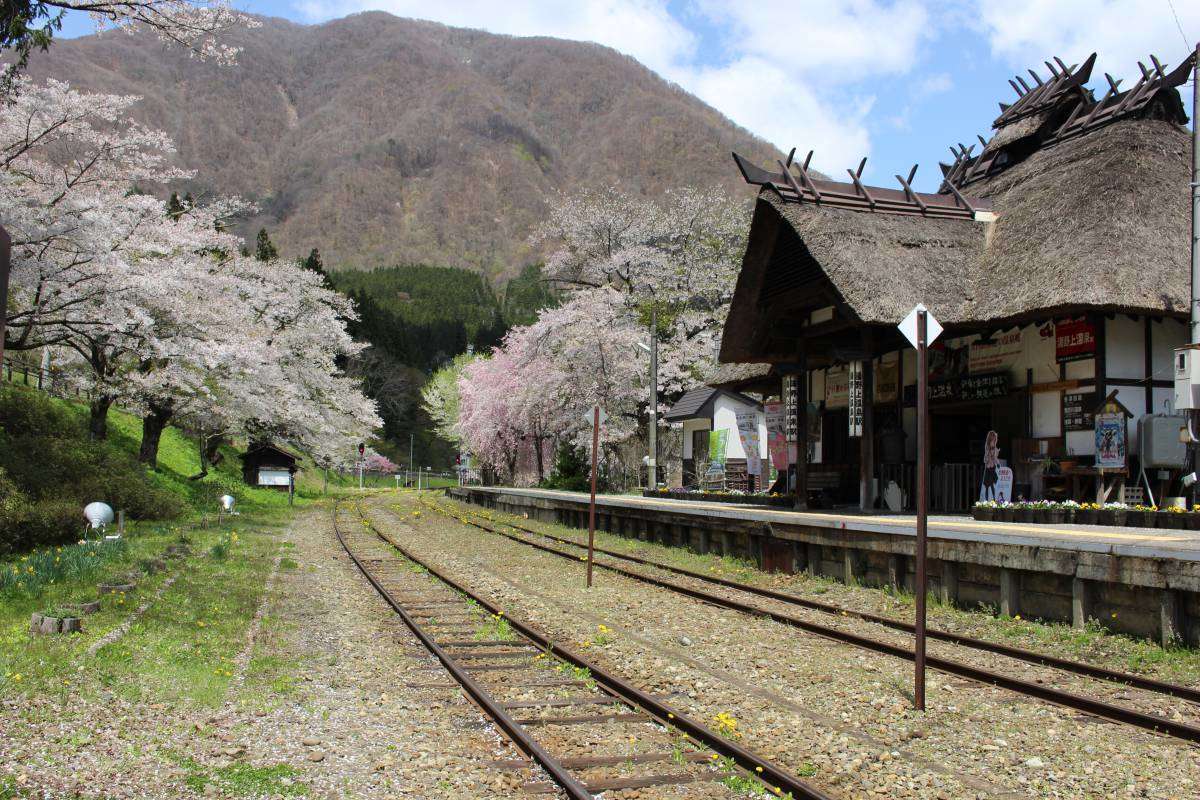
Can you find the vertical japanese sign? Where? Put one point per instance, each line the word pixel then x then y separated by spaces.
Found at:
pixel 748 433
pixel 854 395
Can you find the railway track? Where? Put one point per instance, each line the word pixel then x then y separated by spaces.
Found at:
pixel 1078 702
pixel 548 699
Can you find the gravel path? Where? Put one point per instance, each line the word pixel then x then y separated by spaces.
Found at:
pixel 818 704
pixel 356 724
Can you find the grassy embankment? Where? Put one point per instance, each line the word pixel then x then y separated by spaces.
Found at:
pixel 178 650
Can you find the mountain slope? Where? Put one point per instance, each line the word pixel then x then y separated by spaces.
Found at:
pixel 383 140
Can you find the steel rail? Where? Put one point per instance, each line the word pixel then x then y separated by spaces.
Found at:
pixel 1076 702
pixel 778 779
pixel 514 730
pixel 1067 665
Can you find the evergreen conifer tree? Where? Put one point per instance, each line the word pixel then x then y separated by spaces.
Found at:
pixel 264 248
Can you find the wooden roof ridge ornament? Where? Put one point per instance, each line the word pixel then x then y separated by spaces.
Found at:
pixel 1044 94
pixel 1118 105
pixel 795 184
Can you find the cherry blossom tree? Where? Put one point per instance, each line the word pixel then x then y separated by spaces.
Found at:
pixel 154 305
pixel 198 26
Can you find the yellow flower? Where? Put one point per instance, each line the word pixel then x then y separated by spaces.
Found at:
pixel 200 623
pixel 758 769
pixel 17 677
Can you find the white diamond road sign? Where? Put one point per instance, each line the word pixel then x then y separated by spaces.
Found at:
pixel 588 415
pixel 933 328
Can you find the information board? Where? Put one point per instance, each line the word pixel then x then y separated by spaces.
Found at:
pixel 1079 410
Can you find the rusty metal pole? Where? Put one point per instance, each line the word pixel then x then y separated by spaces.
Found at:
pixel 922 505
pixel 5 263
pixel 592 504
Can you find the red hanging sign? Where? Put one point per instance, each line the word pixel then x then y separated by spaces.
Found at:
pixel 1074 340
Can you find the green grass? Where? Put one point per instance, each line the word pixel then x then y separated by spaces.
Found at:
pixel 180 650
pixel 244 780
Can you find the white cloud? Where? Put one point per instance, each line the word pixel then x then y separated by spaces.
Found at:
pixel 1027 32
pixel 780 68
pixel 838 42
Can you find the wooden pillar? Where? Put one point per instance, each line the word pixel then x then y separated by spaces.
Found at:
pixel 801 502
pixel 895 571
pixel 799 557
pixel 1148 372
pixel 848 556
pixel 813 565
pixel 1168 616
pixel 1079 603
pixel 1098 322
pixel 1009 589
pixel 866 443
pixel 948 588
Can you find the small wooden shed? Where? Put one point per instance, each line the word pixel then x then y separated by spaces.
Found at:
pixel 268 465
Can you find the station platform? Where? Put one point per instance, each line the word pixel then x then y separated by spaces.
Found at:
pixel 1138 580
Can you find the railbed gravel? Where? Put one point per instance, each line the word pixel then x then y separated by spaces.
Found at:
pixel 1142 700
pixel 810 703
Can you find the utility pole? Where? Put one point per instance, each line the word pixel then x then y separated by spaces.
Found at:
pixel 5 262
pixel 596 419
pixel 408 476
pixel 652 478
pixel 1195 339
pixel 921 328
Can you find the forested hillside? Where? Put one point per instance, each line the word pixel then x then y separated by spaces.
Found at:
pixel 416 318
pixel 385 141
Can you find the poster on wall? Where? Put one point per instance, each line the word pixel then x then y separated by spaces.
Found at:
pixel 887 382
pixel 996 354
pixel 777 445
pixel 717 441
pixel 1074 340
pixel 1110 440
pixel 997 477
pixel 837 387
pixel 747 425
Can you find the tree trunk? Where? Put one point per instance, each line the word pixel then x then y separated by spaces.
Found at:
pixel 152 427
pixel 98 417
pixel 541 467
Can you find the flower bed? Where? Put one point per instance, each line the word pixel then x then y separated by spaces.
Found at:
pixel 1114 514
pixel 782 501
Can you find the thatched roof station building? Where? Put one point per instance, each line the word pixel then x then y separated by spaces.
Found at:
pixel 1057 258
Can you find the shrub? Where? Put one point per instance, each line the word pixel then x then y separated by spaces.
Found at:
pixel 49 471
pixel 571 472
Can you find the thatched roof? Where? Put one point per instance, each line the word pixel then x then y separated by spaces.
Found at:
pixel 1095 222
pixel 733 376
pixel 1100 221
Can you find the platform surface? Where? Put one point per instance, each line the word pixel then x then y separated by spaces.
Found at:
pixel 1138 542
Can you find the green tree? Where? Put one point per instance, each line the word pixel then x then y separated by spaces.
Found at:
pixel 264 248
pixel 175 206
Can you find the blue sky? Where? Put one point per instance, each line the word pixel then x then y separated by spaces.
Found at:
pixel 895 81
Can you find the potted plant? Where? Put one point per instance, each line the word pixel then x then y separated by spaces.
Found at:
pixel 1086 513
pixel 984 510
pixel 1023 511
pixel 1054 513
pixel 1003 512
pixel 1069 509
pixel 1171 517
pixel 1113 514
pixel 1135 517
